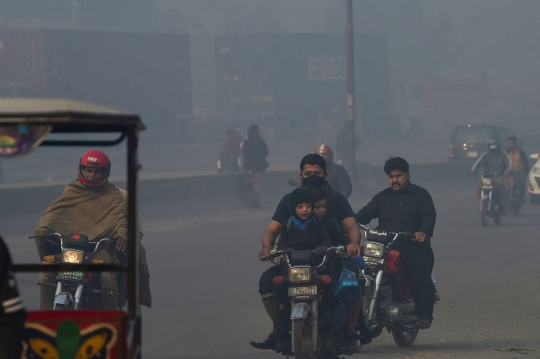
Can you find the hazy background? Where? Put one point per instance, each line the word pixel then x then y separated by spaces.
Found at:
pixel 427 39
pixel 491 43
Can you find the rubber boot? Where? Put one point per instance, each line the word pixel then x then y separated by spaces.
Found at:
pixel 272 308
pixel 283 333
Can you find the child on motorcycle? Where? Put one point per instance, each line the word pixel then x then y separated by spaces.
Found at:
pixel 337 264
pixel 303 231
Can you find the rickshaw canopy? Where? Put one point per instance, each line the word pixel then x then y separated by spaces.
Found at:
pixel 67 115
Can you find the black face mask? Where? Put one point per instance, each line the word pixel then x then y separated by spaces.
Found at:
pixel 314 181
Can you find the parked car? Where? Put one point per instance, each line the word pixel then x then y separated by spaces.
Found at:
pixel 534 180
pixel 470 141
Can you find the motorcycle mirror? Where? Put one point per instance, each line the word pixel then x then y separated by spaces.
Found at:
pixel 19 140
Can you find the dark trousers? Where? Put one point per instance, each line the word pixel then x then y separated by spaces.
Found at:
pixel 11 336
pixel 418 263
pixel 267 289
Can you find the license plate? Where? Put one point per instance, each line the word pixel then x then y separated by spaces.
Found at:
pixel 297 291
pixel 472 154
pixel 374 260
pixel 70 275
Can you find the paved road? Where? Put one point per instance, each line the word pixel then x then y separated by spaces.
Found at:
pixel 205 273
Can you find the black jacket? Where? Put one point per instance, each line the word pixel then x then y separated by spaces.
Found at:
pixel 12 312
pixel 255 151
pixel 409 210
pixel 339 179
pixel 498 162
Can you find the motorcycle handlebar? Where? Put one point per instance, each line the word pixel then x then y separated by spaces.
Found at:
pixel 98 245
pixel 274 253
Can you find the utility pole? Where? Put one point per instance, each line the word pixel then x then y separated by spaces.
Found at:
pixel 350 89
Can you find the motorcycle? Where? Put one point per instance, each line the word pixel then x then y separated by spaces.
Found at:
pixel 515 199
pixel 75 290
pixel 490 206
pixel 388 302
pixel 308 291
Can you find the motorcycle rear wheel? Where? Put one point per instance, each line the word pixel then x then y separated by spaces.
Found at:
pixel 301 338
pixel 497 217
pixel 404 338
pixel 517 208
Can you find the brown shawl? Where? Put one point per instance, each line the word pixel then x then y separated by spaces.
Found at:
pixel 98 212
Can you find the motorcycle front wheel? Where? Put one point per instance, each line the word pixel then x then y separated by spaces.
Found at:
pixel 517 207
pixel 366 328
pixel 484 217
pixel 302 338
pixel 484 214
pixel 404 338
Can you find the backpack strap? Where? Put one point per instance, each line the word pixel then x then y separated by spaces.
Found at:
pixel 289 224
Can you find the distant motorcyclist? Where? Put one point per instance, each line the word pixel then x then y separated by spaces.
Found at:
pixel 93 206
pixel 338 178
pixel 494 162
pixel 520 164
pixel 12 312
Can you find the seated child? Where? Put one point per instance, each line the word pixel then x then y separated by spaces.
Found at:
pixel 345 316
pixel 319 211
pixel 303 231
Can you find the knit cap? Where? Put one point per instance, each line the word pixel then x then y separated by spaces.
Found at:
pixel 301 195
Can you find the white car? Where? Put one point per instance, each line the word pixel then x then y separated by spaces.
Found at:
pixel 534 180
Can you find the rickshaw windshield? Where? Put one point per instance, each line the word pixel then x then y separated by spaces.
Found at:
pixel 47 138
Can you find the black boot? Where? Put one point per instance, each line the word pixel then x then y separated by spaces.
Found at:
pixel 283 333
pixel 342 342
pixel 268 343
pixel 281 330
pixel 272 308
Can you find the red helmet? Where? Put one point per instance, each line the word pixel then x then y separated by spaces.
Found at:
pixel 94 159
pixel 324 149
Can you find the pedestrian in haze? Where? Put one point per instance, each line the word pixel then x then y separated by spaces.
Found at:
pixel 255 152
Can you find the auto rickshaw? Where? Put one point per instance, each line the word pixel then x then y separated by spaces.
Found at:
pixel 25 125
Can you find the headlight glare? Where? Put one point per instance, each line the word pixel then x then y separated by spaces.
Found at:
pixel 374 250
pixel 70 256
pixel 486 181
pixel 300 274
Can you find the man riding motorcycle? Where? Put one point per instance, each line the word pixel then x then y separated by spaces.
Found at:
pixel 93 206
pixel 494 162
pixel 338 178
pixel 520 163
pixel 406 207
pixel 312 174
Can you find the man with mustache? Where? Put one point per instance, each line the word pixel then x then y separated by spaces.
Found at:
pixel 408 207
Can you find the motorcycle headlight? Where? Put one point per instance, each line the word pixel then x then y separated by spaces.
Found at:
pixel 300 274
pixel 374 250
pixel 71 256
pixel 486 181
pixel 536 170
